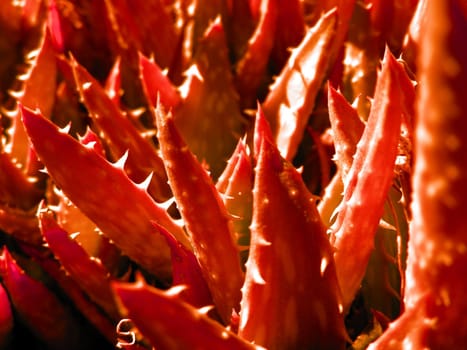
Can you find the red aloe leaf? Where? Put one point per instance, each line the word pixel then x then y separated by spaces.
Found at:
pixel 235 185
pixel 291 99
pixel 187 272
pixel 6 318
pixel 209 118
pixel 106 116
pixel 251 68
pixel 368 183
pixel 38 92
pixel 157 85
pixel 347 128
pixel 170 323
pixel 89 273
pixel 103 192
pixel 206 219
pixel 71 288
pixel 71 219
pixel 434 294
pixel 48 319
pixel 290 270
pixel 16 188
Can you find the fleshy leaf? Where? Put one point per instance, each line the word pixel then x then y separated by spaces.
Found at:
pixel 291 298
pixel 252 66
pixel 170 323
pixel 209 118
pixel 292 97
pixel 20 224
pixel 187 272
pixel 36 306
pixel 206 219
pixel 105 194
pixel 347 128
pixel 38 92
pixel 142 156
pixel 157 85
pixel 236 185
pixel 72 220
pixel 16 189
pixel 90 274
pixel 289 30
pixel 368 182
pixel 240 25
pixel 73 291
pixel 6 318
pixel 437 253
pixel 132 29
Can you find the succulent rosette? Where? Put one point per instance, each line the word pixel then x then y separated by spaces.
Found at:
pixel 233 174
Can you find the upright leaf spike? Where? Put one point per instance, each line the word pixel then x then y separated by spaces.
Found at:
pixel 291 98
pixel 205 217
pixel 252 66
pixel 285 278
pixel 364 196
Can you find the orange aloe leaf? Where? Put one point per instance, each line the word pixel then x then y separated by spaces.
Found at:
pixel 347 128
pixel 38 92
pixel 187 272
pixel 292 97
pixel 252 66
pixel 290 269
pixel 437 250
pixel 207 221
pixel 156 84
pixel 89 273
pixel 209 117
pixel 236 185
pixel 143 158
pixel 170 323
pixel 368 182
pixel 105 194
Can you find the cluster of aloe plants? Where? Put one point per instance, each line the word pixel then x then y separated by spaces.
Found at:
pixel 233 174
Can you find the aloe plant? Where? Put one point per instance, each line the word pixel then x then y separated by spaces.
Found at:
pixel 216 174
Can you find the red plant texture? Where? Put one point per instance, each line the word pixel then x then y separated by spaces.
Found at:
pixel 233 174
